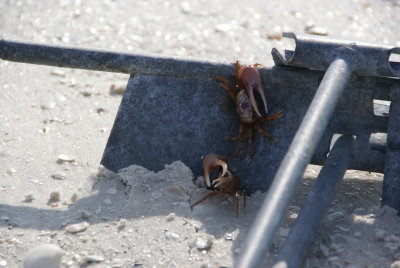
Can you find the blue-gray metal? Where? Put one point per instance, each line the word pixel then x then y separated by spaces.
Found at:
pixel 317 52
pixel 391 181
pixel 302 233
pixel 293 165
pixel 107 61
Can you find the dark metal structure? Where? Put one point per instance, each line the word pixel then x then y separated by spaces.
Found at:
pixel 173 109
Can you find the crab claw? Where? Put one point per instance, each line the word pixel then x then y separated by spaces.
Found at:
pixel 251 80
pixel 212 162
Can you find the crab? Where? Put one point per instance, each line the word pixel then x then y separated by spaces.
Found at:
pixel 247 79
pixel 225 183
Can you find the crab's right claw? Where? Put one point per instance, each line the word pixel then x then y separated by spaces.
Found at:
pixel 210 163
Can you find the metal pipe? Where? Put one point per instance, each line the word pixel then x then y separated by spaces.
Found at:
pixel 294 163
pixel 391 180
pixel 321 195
pixel 99 60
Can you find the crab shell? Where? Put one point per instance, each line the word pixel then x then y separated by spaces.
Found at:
pixel 243 107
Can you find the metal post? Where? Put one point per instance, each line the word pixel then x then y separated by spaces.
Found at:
pixel 303 232
pixel 290 172
pixel 391 181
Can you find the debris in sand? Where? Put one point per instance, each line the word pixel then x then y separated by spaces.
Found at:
pixel 117 89
pixel 11 171
pixel 315 30
pixel 86 260
pixel 171 217
pixel 73 198
pixel 171 236
pixel 121 224
pixel 202 242
pixel 55 196
pixel 48 105
pixel 58 176
pixel 29 198
pixel 62 158
pixel 48 255
pixel 76 228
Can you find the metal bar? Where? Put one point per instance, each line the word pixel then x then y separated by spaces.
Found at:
pixel 293 165
pixel 317 52
pixel 391 180
pixel 99 60
pixel 321 195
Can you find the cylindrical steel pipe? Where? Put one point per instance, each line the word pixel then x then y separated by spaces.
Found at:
pixel 290 172
pixel 321 195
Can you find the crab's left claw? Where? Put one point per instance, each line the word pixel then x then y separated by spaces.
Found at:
pixel 210 163
pixel 251 80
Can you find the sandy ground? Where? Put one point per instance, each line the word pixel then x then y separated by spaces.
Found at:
pixel 55 123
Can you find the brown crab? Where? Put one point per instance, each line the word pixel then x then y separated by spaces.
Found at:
pixel 247 79
pixel 225 183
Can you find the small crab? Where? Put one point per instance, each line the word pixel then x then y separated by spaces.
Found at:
pixel 247 79
pixel 225 183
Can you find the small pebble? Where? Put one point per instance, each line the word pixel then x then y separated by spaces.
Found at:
pixel 65 158
pixel 121 224
pixel 28 198
pixel 170 217
pixel 222 27
pixel 202 243
pixel 229 236
pixel 171 236
pixel 274 36
pixel 55 196
pixel 117 89
pixel 11 171
pixel 57 72
pixel 4 218
pixel 315 30
pixel 58 176
pixel 48 256
pixel 76 228
pixel 91 259
pixel 73 198
pixel 48 105
pixel 3 263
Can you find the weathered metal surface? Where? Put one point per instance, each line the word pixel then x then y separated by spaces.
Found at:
pixel 162 119
pixel 316 53
pixel 391 181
